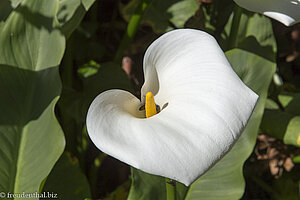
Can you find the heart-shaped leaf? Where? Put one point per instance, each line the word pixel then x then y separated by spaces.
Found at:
pixel 31 139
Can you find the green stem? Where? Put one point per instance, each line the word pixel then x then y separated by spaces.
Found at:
pixel 94 172
pixel 237 13
pixel 171 189
pixel 131 28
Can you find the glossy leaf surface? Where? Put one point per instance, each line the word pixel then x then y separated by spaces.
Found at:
pixel 30 136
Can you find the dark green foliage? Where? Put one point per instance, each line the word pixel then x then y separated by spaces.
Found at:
pixel 56 56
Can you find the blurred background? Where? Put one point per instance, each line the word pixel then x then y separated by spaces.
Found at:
pixel 272 170
pixel 94 61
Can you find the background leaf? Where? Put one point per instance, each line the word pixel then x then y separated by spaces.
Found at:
pixel 146 186
pixel 284 123
pixel 290 102
pixel 67 180
pixel 31 37
pixel 71 12
pixel 31 139
pixel 164 15
pixel 5 9
pixel 255 35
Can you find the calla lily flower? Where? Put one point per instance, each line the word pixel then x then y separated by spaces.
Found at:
pixel 284 11
pixel 204 106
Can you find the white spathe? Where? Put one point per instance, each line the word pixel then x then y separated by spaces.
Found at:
pixel 206 108
pixel 284 11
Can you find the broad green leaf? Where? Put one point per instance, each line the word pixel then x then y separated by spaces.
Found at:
pixel 120 193
pixel 146 186
pixel 5 9
pixel 161 13
pixel 255 25
pixel 31 139
pixel 31 37
pixel 290 102
pixel 255 31
pixel 282 125
pixel 182 11
pixel 255 35
pixel 270 104
pixel 225 179
pixel 67 180
pixel 71 12
pixel 87 3
pixel 15 3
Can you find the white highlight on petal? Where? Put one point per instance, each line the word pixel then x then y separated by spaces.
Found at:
pixel 207 108
pixel 284 11
pixel 285 19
